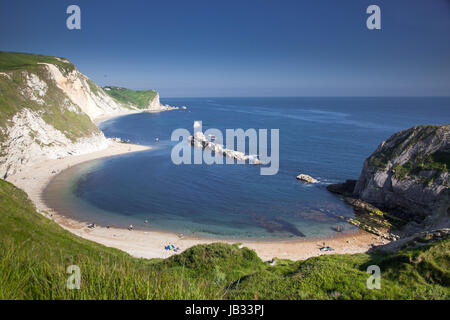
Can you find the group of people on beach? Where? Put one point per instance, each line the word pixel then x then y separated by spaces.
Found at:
pixel 130 227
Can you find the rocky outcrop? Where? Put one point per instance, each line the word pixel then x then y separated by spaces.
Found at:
pixel 306 178
pixel 407 178
pixel 346 188
pixel 408 173
pixel 199 140
pixel 366 216
pixel 156 106
pixel 416 240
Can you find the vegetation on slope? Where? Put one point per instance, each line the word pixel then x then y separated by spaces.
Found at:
pixel 425 164
pixel 35 253
pixel 402 141
pixel 139 99
pixel 436 162
pixel 13 96
pixel 10 61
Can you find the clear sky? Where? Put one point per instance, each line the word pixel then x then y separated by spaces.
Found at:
pixel 245 47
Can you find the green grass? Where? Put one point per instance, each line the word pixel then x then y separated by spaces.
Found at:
pixel 140 99
pixel 10 61
pixel 35 253
pixel 415 274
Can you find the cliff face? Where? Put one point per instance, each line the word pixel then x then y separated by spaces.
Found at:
pixel 155 104
pixel 91 99
pixel 46 108
pixel 408 173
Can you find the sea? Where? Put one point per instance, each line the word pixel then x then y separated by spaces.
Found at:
pixel 326 138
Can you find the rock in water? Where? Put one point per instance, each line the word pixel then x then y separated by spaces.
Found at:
pixel 345 188
pixel 306 178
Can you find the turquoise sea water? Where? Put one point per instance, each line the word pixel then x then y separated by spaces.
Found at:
pixel 327 138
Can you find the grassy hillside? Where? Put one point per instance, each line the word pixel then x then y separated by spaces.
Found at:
pixel 139 99
pixel 14 94
pixel 35 252
pixel 10 61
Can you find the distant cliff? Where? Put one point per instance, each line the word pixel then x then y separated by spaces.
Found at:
pixel 46 110
pixel 145 100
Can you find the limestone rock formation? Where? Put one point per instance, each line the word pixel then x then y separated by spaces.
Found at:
pixel 404 184
pixel 408 172
pixel 91 99
pixel 199 140
pixel 156 106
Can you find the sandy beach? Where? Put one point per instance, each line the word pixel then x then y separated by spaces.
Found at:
pixel 150 244
pixel 106 117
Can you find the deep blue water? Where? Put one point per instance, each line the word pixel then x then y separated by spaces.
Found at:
pixel 327 138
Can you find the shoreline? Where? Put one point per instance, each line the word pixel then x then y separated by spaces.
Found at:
pixel 98 120
pixel 150 244
pixel 107 117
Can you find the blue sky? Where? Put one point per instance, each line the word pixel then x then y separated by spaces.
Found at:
pixel 243 48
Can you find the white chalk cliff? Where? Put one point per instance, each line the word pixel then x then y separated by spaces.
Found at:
pixel 156 106
pixel 31 139
pixel 78 88
pixel 46 112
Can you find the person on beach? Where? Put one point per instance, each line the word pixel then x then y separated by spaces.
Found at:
pixel 130 227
